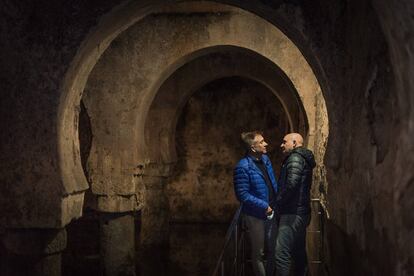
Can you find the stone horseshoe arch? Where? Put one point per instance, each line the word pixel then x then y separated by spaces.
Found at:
pixel 179 87
pixel 304 82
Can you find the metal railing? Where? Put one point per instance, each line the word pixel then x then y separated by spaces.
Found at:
pixel 232 257
pixel 315 237
pixel 232 260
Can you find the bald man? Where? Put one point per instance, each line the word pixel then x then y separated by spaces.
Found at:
pixel 293 206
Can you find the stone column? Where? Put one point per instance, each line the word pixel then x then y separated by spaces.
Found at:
pixel 154 234
pixel 34 252
pixel 117 243
pixel 155 214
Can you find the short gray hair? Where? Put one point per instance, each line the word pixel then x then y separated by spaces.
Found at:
pixel 248 137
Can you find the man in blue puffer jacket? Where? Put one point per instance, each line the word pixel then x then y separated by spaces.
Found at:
pixel 256 187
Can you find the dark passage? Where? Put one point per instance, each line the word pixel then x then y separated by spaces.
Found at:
pixel 192 249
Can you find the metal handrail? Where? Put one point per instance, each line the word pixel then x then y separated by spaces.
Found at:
pixel 232 231
pixel 320 217
pixel 238 233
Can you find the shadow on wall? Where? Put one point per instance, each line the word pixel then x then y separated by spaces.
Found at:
pixel 358 260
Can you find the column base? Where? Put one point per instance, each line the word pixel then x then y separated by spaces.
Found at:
pixel 117 244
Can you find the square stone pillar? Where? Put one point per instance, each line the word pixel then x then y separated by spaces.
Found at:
pixel 117 241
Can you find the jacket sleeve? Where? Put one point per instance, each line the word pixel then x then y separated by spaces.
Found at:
pixel 294 170
pixel 242 190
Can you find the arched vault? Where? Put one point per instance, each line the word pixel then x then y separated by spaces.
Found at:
pixel 219 62
pixel 132 70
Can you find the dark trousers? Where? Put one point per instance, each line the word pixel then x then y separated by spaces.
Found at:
pixel 262 236
pixel 291 245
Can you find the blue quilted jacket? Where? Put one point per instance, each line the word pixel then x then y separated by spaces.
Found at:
pixel 250 186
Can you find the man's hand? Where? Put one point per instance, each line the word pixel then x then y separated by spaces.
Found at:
pixel 269 210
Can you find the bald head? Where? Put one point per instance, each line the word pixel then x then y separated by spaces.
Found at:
pixel 295 137
pixel 291 141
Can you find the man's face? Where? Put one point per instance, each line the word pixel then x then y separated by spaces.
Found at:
pixel 288 144
pixel 259 144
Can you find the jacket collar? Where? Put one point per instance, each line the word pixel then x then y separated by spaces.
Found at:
pixel 252 164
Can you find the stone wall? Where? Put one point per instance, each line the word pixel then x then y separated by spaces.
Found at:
pixel 360 51
pixel 369 124
pixel 208 146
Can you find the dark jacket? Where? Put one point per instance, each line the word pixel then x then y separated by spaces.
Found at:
pixel 295 182
pixel 250 186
